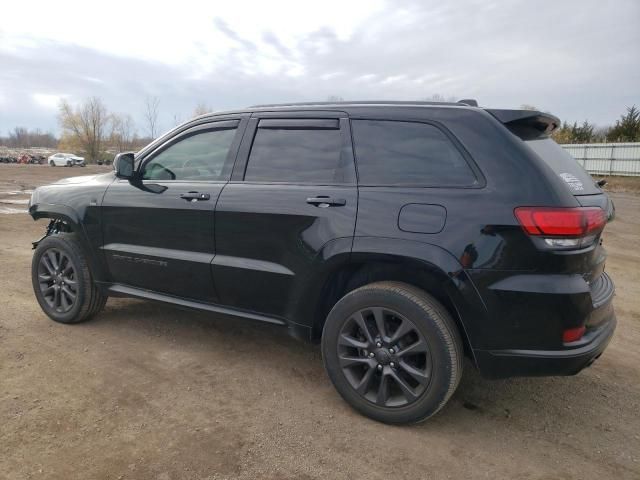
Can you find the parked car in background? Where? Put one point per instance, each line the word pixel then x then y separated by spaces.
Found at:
pixel 66 160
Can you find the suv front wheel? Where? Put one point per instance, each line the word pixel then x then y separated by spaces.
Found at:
pixel 393 352
pixel 62 280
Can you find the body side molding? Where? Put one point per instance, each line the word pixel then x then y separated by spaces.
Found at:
pixel 116 290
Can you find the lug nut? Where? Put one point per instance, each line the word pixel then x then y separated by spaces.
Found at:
pixel 371 354
pixel 378 344
pixel 379 367
pixel 392 351
pixel 392 364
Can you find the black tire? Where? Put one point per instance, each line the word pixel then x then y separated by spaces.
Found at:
pixel 77 297
pixel 432 376
pixel 52 163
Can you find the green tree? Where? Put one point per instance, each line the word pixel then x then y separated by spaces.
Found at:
pixel 562 134
pixel 627 129
pixel 584 133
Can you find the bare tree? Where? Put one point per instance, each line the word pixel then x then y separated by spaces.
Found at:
pixel 21 137
pixel 122 132
pixel 151 115
pixel 201 109
pixel 437 97
pixel 85 125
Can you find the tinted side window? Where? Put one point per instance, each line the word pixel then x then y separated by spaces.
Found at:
pixel 290 154
pixel 202 156
pixel 407 153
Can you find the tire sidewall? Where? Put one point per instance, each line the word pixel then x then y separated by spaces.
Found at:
pixel 82 282
pixel 436 392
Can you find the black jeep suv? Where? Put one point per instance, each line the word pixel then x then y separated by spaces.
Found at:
pixel 403 235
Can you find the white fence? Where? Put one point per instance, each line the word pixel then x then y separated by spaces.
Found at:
pixel 607 158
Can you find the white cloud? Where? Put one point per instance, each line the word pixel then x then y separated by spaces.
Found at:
pixel 577 59
pixel 47 100
pixel 151 31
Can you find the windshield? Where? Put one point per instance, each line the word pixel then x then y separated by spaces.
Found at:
pixel 565 166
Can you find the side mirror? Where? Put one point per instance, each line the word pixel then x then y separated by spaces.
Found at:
pixel 124 164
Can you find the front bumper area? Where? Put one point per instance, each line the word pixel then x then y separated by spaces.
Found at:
pixel 530 363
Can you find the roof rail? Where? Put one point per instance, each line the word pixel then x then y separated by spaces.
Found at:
pixel 356 102
pixel 470 102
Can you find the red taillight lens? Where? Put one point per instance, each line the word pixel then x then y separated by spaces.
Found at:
pixel 561 222
pixel 573 334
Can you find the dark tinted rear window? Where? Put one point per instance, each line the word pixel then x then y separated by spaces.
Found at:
pixel 407 153
pixel 304 155
pixel 577 179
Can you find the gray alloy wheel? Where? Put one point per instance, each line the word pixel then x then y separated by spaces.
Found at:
pixel 57 280
pixel 384 357
pixel 393 352
pixel 62 280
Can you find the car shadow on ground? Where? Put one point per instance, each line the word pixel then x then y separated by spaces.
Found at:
pixel 556 407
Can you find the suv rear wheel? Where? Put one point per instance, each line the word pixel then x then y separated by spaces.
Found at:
pixel 62 281
pixel 393 352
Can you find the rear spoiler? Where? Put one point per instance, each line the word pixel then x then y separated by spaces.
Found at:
pixel 527 124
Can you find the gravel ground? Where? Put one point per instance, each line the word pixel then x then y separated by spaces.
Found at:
pixel 151 391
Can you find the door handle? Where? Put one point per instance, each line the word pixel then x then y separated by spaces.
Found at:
pixel 324 202
pixel 195 196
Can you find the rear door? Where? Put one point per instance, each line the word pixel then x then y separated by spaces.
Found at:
pixel 159 230
pixel 292 194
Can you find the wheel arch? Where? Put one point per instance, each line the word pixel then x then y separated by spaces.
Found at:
pixel 70 217
pixel 421 265
pixel 57 212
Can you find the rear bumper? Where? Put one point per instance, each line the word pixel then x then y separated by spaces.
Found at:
pixel 533 314
pixel 529 363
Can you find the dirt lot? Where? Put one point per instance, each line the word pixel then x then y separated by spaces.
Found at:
pixel 150 391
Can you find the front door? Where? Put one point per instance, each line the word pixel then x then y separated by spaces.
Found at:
pixel 159 230
pixel 293 193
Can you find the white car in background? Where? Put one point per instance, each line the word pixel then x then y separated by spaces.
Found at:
pixel 65 160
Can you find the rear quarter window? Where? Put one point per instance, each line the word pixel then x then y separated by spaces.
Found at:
pixel 408 153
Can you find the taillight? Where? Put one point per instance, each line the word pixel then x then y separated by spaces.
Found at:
pixel 563 227
pixel 573 334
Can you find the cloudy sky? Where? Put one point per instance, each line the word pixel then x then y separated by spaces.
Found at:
pixel 578 59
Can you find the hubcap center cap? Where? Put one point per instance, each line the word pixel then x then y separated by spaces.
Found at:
pixel 383 357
